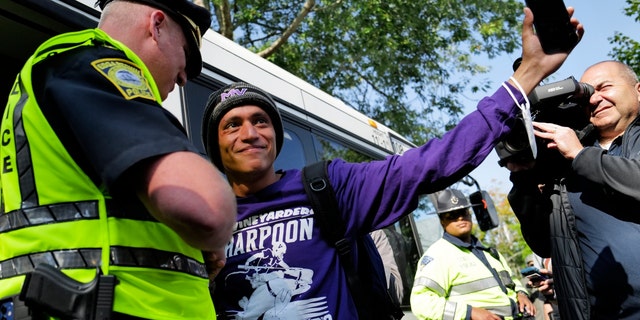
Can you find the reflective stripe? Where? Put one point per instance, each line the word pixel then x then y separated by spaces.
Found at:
pixel 60 212
pixel 504 311
pixel 153 258
pixel 450 310
pixel 474 286
pixel 90 258
pixel 63 212
pixel 450 306
pixel 426 282
pixel 63 259
pixel 23 152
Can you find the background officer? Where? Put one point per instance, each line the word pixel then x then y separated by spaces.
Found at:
pixel 458 277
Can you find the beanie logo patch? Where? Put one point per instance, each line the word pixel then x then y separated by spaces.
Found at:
pixel 232 93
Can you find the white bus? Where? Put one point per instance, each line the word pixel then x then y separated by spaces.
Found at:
pixel 317 125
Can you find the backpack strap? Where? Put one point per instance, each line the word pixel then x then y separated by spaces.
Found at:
pixel 325 208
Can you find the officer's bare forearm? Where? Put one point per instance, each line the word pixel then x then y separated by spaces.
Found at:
pixel 184 191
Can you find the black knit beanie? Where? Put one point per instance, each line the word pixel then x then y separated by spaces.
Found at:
pixel 235 95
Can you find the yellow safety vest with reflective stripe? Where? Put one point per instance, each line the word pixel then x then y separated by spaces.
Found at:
pixel 53 213
pixel 449 279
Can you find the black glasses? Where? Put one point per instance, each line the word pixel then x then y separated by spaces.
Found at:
pixel 454 215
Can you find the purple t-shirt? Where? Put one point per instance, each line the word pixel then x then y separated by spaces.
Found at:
pixel 278 263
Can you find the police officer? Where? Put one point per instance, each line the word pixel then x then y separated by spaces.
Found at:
pixel 96 175
pixel 460 278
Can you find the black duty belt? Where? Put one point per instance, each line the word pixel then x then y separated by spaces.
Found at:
pixel 90 259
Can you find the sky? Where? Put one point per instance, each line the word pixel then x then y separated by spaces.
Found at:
pixel 601 20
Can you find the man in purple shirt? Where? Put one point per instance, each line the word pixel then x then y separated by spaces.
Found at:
pixel 243 133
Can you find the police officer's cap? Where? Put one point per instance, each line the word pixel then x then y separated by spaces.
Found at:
pixel 449 200
pixel 194 20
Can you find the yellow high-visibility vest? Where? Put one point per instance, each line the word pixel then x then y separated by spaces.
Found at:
pixel 450 279
pixel 53 213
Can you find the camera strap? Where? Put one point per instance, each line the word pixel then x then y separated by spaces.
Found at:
pixel 525 109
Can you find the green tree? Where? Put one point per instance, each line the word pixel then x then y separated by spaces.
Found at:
pixel 626 49
pixel 403 63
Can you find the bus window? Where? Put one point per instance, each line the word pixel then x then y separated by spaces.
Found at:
pixel 405 251
pixel 292 153
pixel 327 149
pixel 196 95
pixel 427 223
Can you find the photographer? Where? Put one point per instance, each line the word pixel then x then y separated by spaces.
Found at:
pixel 584 219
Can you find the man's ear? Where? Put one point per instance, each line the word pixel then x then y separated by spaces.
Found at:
pixel 158 21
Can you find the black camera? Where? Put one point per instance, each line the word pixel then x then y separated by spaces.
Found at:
pixel 564 103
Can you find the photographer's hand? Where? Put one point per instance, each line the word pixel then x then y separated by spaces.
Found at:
pixel 561 138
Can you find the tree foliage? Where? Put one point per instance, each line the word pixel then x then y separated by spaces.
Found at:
pixel 403 63
pixel 626 49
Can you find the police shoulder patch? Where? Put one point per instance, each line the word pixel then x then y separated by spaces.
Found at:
pixel 126 77
pixel 425 260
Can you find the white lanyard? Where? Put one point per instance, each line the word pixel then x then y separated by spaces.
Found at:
pixel 525 108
